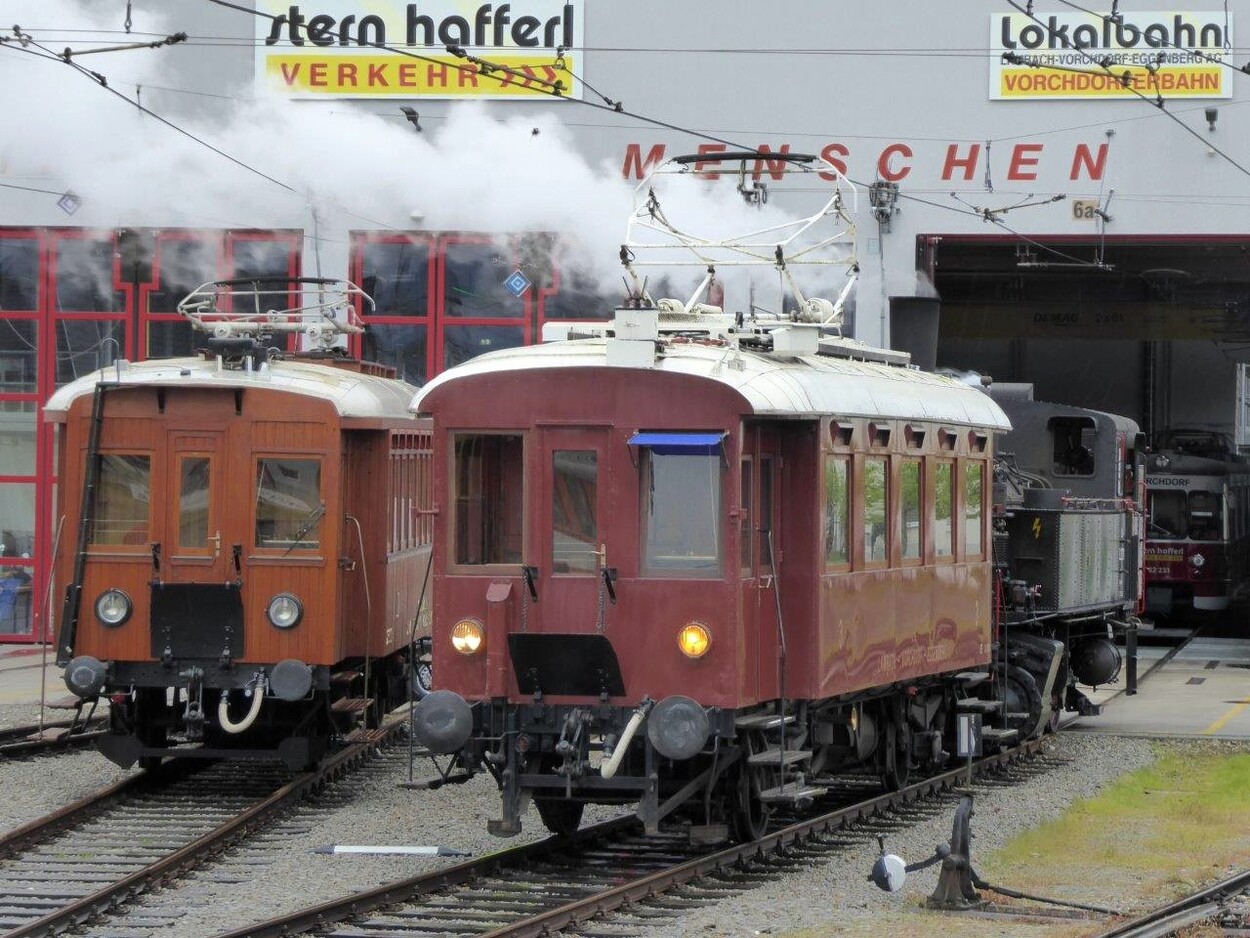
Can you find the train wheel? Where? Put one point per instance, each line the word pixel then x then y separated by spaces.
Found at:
pixel 422 680
pixel 561 816
pixel 749 813
pixel 1023 697
pixel 896 771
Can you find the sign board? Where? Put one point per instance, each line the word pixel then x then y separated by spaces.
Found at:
pixel 1153 54
pixel 388 49
pixel 968 735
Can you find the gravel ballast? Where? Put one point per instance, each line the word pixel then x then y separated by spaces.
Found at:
pixel 279 871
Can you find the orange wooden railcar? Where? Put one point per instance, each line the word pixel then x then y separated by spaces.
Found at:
pixel 243 551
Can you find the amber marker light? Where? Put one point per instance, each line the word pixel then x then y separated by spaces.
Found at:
pixel 467 636
pixel 693 640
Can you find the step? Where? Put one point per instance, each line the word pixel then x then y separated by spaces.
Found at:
pixel 362 735
pixel 774 756
pixel 993 734
pixel 792 793
pixel 975 705
pixel 762 721
pixel 972 677
pixel 344 677
pixel 68 702
pixel 349 704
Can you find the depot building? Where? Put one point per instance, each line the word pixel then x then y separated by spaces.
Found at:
pixel 1060 197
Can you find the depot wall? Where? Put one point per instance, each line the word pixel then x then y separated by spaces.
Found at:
pixel 900 95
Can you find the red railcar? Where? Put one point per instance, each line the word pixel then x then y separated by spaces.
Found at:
pixel 243 548
pixel 700 562
pixel 1198 544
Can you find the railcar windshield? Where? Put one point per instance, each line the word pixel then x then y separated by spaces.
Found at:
pixel 681 513
pixel 1197 516
pixel 288 503
pixel 119 514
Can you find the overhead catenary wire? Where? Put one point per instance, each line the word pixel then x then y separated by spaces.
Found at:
pixel 1158 102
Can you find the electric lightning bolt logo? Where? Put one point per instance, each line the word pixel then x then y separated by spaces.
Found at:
pixel 1037 528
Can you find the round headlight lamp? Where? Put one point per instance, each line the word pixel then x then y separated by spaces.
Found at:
pixel 284 611
pixel 113 607
pixel 693 640
pixel 467 636
pixel 1198 560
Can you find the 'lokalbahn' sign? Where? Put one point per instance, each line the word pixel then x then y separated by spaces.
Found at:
pixel 388 49
pixel 1130 55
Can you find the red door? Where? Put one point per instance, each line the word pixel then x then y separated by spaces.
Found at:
pixel 572 546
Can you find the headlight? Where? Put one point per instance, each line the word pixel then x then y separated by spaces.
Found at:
pixel 467 636
pixel 1198 560
pixel 112 607
pixel 285 611
pixel 693 640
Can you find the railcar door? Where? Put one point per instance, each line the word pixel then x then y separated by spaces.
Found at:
pixel 196 604
pixel 191 543
pixel 761 555
pixel 574 544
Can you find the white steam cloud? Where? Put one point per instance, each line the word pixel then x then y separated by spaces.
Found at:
pixel 479 170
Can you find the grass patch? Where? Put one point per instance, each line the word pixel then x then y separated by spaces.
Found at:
pixel 1149 838
pixel 1159 831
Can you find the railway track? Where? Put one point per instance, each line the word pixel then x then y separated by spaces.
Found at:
pixel 94 855
pixel 52 736
pixel 1225 905
pixel 557 884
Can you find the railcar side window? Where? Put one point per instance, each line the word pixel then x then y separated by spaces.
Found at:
pixel 943 490
pixel 574 527
pixel 193 502
pixel 121 509
pixel 973 475
pixel 837 510
pixel 681 513
pixel 876 542
pixel 909 495
pixel 488 499
pixel 288 503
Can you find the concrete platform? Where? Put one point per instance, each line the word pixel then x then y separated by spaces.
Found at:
pixel 26 675
pixel 1200 688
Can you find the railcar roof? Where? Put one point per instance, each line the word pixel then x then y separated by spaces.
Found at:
pixel 774 385
pixel 353 394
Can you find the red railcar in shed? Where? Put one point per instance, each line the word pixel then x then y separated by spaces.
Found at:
pixel 243 568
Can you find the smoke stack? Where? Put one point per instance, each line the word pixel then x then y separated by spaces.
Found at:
pixel 914 328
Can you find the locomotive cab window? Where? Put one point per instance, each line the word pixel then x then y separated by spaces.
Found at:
pixel 1072 441
pixel 681 503
pixel 122 508
pixel 488 499
pixel 288 503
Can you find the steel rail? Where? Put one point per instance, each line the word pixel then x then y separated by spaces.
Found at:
pixel 550 921
pixel 1191 909
pixel 193 854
